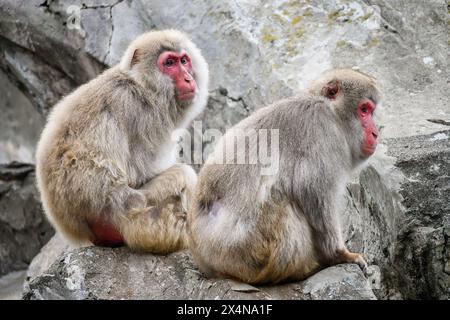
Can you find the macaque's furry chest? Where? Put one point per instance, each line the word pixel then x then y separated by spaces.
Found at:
pixel 151 164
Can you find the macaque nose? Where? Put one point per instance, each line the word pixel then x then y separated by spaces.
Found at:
pixel 188 77
pixel 375 134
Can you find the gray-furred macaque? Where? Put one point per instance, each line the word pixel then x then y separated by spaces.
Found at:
pixel 284 227
pixel 106 163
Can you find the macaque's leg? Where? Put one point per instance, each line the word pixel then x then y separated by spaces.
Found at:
pixel 179 180
pixel 329 243
pixel 159 225
pixel 156 229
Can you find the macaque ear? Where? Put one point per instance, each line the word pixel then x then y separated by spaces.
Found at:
pixel 130 58
pixel 134 58
pixel 331 90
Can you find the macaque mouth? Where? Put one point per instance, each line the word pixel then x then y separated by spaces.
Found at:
pixel 186 95
pixel 370 144
pixel 368 150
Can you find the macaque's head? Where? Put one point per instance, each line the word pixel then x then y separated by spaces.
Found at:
pixel 169 64
pixel 354 96
pixel 178 66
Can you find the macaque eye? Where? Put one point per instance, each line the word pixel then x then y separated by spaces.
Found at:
pixel 169 62
pixel 184 60
pixel 366 107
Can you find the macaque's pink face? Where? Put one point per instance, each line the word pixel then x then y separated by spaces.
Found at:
pixel 178 66
pixel 365 111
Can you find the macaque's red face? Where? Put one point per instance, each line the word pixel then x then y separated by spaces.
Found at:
pixel 365 111
pixel 178 66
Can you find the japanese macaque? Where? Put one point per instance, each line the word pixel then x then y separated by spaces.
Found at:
pixel 106 162
pixel 282 227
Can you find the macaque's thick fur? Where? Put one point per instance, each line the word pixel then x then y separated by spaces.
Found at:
pixel 269 229
pixel 106 151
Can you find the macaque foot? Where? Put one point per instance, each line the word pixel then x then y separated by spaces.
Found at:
pixel 351 257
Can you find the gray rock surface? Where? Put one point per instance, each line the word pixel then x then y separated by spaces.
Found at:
pixel 371 220
pixel 45 258
pixel 20 124
pixel 100 273
pixel 422 258
pixel 11 285
pixel 23 227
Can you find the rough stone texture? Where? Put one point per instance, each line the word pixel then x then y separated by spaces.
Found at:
pixel 45 258
pixel 20 124
pixel 371 219
pixel 99 273
pixel 40 54
pixel 23 228
pixel 11 285
pixel 422 258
